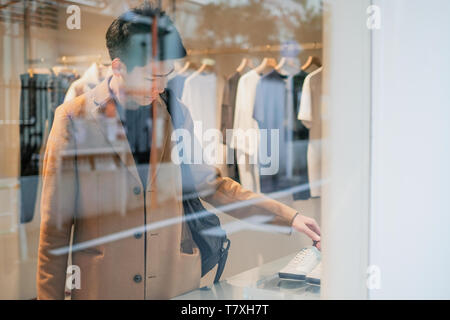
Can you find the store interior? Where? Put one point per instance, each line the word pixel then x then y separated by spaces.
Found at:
pixel 221 38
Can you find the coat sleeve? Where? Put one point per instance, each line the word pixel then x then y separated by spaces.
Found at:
pixel 241 203
pixel 231 198
pixel 57 210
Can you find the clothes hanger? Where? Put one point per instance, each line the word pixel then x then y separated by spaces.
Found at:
pixel 64 68
pixel 288 66
pixel 280 64
pixel 312 60
pixel 184 68
pixel 35 70
pixel 244 64
pixel 207 65
pixel 268 64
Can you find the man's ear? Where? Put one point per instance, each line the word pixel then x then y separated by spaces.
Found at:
pixel 118 68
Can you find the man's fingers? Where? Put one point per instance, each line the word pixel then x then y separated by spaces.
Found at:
pixel 311 234
pixel 314 226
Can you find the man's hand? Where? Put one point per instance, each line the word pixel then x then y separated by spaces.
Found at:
pixel 308 226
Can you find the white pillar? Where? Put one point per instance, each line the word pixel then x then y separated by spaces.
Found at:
pixel 346 149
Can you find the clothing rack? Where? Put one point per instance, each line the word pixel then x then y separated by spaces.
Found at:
pixel 70 60
pixel 256 49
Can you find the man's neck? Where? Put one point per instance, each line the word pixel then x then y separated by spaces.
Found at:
pixel 117 91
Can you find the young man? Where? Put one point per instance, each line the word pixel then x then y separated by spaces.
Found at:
pixel 109 174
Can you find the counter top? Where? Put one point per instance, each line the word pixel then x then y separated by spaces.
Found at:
pixel 261 283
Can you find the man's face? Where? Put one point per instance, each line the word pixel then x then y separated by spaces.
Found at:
pixel 145 84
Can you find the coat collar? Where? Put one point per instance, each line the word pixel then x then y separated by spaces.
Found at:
pixel 102 105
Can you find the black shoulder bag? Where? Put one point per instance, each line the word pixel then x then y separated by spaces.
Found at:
pixel 213 247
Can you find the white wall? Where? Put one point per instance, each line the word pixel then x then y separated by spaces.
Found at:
pixel 410 214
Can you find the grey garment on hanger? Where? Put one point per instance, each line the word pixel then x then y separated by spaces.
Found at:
pixel 270 113
pixel 176 85
pixel 229 103
pixel 273 111
pixel 227 119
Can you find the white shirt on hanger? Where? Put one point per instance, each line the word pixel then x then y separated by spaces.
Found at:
pixel 243 119
pixel 243 114
pixel 200 97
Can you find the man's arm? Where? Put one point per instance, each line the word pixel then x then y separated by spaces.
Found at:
pixel 242 203
pixel 57 210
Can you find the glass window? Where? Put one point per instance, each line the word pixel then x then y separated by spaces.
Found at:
pixel 150 150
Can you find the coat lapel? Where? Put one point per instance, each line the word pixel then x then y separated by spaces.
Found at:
pixel 102 107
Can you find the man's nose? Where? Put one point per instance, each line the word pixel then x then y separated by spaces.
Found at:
pixel 158 82
pixel 156 68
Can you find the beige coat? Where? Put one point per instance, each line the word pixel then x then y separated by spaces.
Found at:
pixel 116 259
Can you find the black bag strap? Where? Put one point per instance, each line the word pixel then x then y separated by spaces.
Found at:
pixel 222 261
pixel 177 117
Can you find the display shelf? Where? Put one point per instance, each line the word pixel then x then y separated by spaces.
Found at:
pixel 261 283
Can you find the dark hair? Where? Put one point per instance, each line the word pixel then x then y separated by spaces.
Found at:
pixel 123 41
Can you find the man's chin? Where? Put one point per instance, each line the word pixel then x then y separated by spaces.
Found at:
pixel 147 101
pixel 144 101
pixel 141 98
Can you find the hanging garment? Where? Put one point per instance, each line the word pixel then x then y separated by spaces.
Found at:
pixel 176 84
pixel 200 97
pixel 289 126
pixel 246 151
pixel 299 130
pixel 34 101
pixel 229 103
pixel 226 122
pixel 40 95
pixel 271 114
pixel 300 138
pixel 310 115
